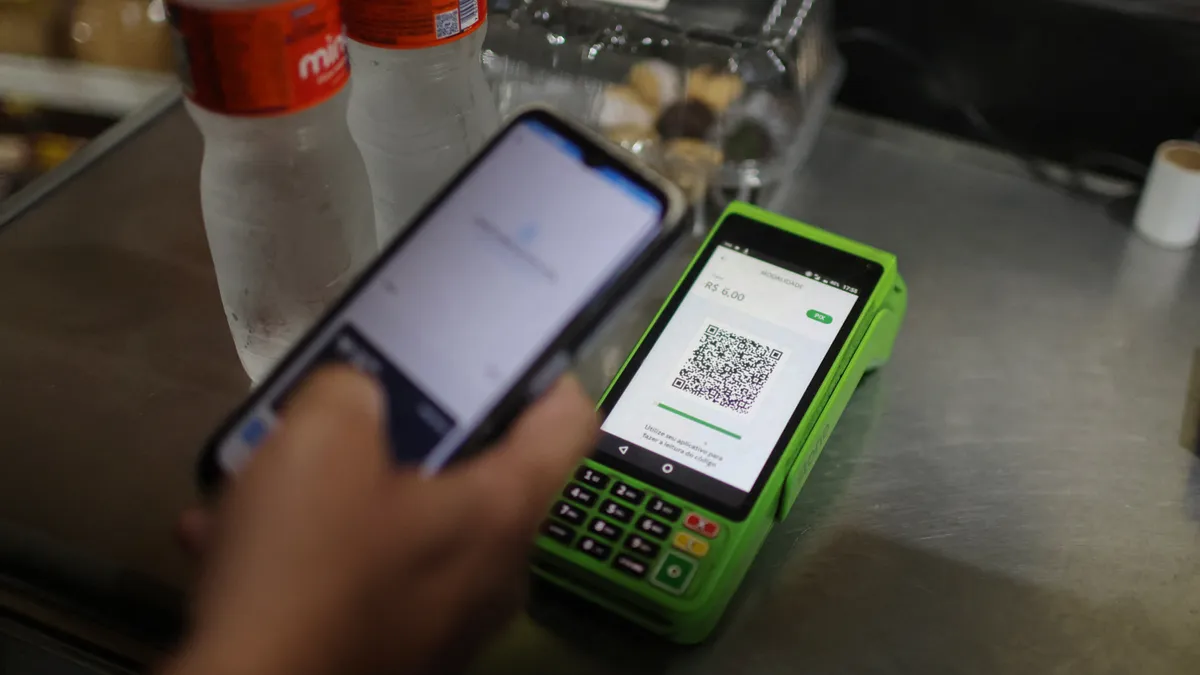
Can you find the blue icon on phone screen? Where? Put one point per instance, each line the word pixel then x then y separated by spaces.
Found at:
pixel 254 432
pixel 527 234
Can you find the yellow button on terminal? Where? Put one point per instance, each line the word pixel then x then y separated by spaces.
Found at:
pixel 686 542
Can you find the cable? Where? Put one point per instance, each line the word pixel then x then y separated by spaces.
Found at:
pixel 1036 166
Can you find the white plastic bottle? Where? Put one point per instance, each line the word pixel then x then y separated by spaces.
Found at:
pixel 286 203
pixel 419 103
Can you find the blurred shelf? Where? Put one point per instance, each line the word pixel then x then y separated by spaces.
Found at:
pixel 653 5
pixel 80 87
pixel 745 17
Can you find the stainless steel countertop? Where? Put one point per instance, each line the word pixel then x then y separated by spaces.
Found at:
pixel 1007 496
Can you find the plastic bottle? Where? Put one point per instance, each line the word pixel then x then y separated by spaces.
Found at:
pixel 286 204
pixel 419 103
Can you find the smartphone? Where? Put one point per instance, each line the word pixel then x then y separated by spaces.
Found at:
pixel 480 304
pixel 717 417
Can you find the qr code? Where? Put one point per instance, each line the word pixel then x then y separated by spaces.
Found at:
pixel 447 24
pixel 469 11
pixel 727 369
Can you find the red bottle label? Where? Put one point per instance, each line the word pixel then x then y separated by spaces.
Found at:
pixel 260 61
pixel 412 24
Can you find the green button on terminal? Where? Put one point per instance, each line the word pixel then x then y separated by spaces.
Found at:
pixel 674 573
pixel 819 316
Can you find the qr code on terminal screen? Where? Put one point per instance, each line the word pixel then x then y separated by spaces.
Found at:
pixel 446 24
pixel 727 369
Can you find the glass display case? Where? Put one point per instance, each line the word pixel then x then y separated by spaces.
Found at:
pixel 69 70
pixel 724 97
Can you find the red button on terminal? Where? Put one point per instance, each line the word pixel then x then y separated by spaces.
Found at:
pixel 698 524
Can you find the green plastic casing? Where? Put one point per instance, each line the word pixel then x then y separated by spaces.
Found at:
pixel 691 616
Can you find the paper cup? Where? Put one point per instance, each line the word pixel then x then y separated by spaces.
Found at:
pixel 1169 212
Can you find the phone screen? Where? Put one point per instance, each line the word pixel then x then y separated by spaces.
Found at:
pixel 468 300
pixel 715 395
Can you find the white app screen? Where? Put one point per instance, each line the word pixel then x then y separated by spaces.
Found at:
pixel 717 389
pixel 464 308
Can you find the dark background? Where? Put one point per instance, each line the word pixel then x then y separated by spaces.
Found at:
pixel 1068 80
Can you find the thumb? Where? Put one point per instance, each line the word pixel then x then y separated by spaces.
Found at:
pixel 331 432
pixel 518 479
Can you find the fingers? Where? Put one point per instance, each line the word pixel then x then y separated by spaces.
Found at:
pixel 338 393
pixel 337 413
pixel 549 440
pixel 329 449
pixel 521 475
pixel 300 504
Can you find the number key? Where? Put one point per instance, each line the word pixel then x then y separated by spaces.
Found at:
pixel 664 510
pixel 568 513
pixel 630 565
pixel 594 548
pixel 580 495
pixel 653 528
pixel 616 511
pixel 638 544
pixel 591 477
pixel 558 532
pixel 604 529
pixel 628 493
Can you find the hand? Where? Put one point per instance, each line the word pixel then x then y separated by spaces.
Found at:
pixel 325 558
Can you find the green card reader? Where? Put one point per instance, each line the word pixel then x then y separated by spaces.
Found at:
pixel 716 419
